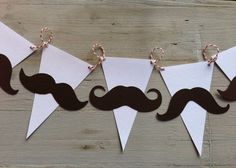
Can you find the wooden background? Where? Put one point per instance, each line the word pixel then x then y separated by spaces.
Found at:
pixel 88 138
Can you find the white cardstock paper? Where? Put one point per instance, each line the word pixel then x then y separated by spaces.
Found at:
pixel 64 68
pixel 227 62
pixel 15 47
pixel 126 72
pixel 188 76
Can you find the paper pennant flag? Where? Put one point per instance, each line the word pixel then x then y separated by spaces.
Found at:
pixel 126 72
pixel 227 62
pixel 14 46
pixel 189 76
pixel 64 68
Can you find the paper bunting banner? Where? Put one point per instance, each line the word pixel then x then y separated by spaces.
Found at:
pixel 127 78
pixel 13 49
pixel 126 72
pixel 188 76
pixel 64 68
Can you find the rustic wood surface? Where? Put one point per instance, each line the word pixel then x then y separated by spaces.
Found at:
pixel 88 138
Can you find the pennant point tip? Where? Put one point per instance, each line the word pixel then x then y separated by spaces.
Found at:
pixel 28 135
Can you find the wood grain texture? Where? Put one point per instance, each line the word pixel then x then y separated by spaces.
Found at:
pixel 88 138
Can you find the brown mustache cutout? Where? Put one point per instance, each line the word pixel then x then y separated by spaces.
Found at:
pixel 198 95
pixel 43 84
pixel 125 96
pixel 5 75
pixel 230 93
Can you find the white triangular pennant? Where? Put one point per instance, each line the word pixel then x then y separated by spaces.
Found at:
pixel 64 68
pixel 13 45
pixel 227 62
pixel 126 72
pixel 189 76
